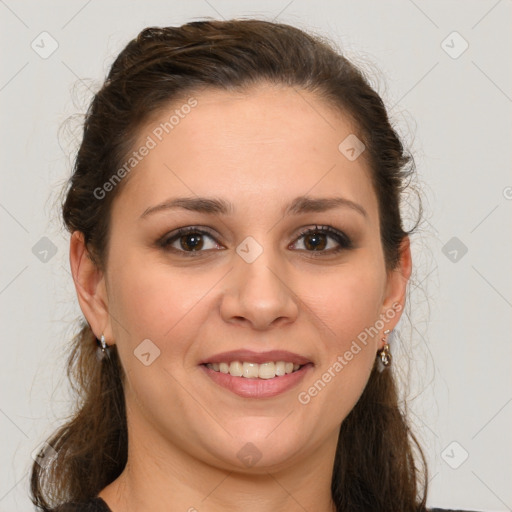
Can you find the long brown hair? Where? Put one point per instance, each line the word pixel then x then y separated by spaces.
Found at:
pixel 375 463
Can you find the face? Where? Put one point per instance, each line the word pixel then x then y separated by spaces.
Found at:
pixel 270 273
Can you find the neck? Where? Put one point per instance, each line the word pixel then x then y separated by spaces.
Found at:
pixel 160 476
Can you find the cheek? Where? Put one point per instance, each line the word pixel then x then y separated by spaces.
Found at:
pixel 347 301
pixel 152 301
pixel 350 306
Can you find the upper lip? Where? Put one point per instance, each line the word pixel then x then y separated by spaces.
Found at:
pixel 256 357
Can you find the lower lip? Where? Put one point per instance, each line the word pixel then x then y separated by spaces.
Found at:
pixel 258 388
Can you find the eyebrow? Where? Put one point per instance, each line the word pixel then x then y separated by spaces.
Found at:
pixel 217 206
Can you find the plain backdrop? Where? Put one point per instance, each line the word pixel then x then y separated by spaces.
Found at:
pixel 444 71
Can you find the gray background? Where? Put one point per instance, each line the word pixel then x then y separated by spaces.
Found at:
pixel 452 108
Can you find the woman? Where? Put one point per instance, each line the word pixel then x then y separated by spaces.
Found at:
pixel 238 253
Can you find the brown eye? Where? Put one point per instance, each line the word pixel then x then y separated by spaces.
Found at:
pixel 188 241
pixel 316 240
pixel 193 242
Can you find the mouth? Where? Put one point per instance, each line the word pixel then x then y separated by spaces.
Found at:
pixel 257 381
pixel 251 370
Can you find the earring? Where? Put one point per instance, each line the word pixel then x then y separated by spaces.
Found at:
pixel 384 353
pixel 103 349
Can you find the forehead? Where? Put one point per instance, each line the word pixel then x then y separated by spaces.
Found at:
pixel 266 144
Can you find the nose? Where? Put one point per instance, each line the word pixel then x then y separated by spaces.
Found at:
pixel 259 293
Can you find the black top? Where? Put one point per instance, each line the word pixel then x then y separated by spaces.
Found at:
pixel 98 505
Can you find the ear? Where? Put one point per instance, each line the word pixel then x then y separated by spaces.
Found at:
pixel 90 287
pixel 396 286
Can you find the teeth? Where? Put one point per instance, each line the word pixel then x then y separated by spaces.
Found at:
pixel 254 370
pixel 250 370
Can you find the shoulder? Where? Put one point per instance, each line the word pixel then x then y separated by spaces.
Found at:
pixel 92 505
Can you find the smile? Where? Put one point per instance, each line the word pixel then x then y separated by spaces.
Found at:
pixel 244 379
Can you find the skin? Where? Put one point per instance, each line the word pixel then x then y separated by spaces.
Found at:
pixel 258 150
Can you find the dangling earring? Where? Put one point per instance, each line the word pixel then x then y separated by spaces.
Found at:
pixel 103 349
pixel 384 353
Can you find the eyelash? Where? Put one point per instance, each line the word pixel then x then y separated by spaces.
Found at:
pixel 343 240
